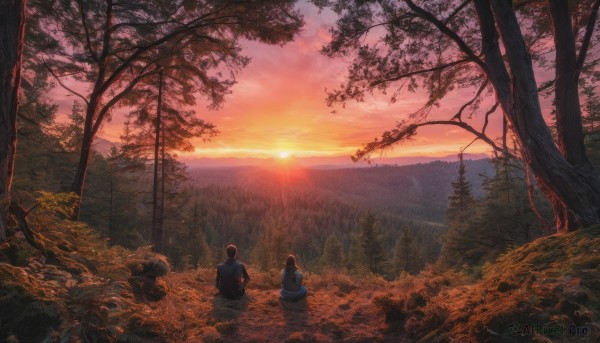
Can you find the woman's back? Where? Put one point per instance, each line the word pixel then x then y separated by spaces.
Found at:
pixel 291 281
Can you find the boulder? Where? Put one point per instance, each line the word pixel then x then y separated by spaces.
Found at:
pixel 144 277
pixel 29 312
pixel 152 267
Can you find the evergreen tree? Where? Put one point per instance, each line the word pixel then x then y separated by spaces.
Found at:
pixel 40 163
pixel 461 200
pixel 460 210
pixel 407 254
pixel 502 219
pixel 202 251
pixel 371 244
pixel 333 255
pixel 273 246
pixel 161 125
pixel 356 256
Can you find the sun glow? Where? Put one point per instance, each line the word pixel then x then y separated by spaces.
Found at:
pixel 284 155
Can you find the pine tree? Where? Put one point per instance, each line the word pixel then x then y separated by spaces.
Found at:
pixel 333 255
pixel 503 218
pixel 461 200
pixel 407 254
pixel 371 244
pixel 164 122
pixel 356 256
pixel 273 247
pixel 460 211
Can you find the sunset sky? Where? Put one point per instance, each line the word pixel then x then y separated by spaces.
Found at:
pixel 278 106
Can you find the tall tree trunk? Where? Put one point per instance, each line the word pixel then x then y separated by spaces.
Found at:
pixel 574 192
pixel 110 213
pixel 157 232
pixel 569 127
pixel 90 115
pixel 84 156
pixel 161 216
pixel 12 37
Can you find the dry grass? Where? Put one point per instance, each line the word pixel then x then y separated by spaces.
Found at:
pixel 337 308
pixel 553 281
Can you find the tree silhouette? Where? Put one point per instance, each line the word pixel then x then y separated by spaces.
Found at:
pixel 110 47
pixel 12 38
pixel 455 44
pixel 162 125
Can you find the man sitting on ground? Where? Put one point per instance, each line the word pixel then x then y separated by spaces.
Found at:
pixel 232 276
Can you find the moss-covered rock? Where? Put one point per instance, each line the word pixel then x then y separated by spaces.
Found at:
pixel 153 267
pixel 28 312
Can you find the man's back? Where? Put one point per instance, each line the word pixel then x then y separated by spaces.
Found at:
pixel 232 278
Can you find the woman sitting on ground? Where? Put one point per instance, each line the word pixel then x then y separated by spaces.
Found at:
pixel 291 279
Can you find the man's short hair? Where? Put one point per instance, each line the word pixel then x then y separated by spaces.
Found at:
pixel 231 250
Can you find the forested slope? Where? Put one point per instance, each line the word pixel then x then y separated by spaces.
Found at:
pixel 418 191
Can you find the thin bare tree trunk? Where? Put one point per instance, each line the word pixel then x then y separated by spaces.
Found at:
pixel 12 37
pixel 161 216
pixel 92 109
pixel 110 212
pixel 84 156
pixel 157 232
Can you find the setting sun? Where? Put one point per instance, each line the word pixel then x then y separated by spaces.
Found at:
pixel 284 155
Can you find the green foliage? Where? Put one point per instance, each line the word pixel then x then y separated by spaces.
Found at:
pixel 371 253
pixel 57 203
pixel 333 254
pixel 407 257
pixel 273 247
pixel 460 202
pixel 502 219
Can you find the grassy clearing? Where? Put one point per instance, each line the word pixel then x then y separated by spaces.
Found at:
pixel 87 294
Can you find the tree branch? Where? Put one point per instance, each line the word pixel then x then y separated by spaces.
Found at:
pixel 61 83
pixel 404 132
pixel 446 31
pixel 118 97
pixel 88 43
pixel 107 33
pixel 587 38
pixel 487 116
pixel 458 115
pixel 456 11
pixel 418 72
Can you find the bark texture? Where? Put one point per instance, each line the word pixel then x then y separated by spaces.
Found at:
pixel 573 188
pixel 12 36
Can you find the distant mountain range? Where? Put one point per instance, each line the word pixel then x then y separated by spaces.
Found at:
pixel 103 146
pixel 332 162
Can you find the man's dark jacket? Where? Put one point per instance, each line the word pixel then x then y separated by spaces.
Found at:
pixel 232 278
